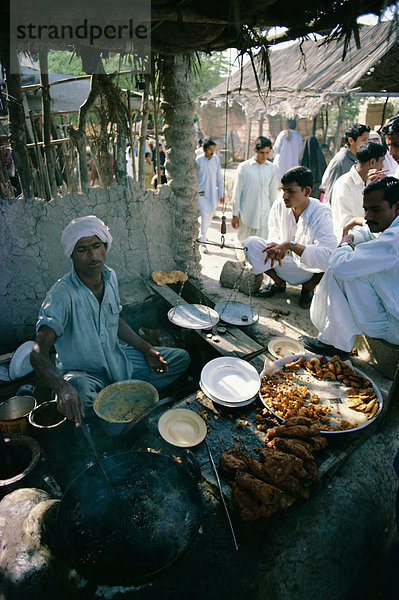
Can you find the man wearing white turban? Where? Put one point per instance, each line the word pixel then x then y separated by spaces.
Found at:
pixel 80 317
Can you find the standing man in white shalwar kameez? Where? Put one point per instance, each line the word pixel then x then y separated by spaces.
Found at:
pixel 254 192
pixel 210 188
pixel 287 148
pixel 300 240
pixel 347 194
pixel 359 294
pixel 391 132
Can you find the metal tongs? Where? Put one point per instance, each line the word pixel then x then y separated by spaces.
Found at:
pixel 226 510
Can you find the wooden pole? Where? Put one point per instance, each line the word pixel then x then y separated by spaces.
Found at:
pixel 131 139
pixel 339 123
pixel 17 124
pixel 143 132
pixel 6 188
pixel 40 164
pixel 155 104
pixel 46 101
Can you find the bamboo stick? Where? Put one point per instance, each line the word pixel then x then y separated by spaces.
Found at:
pixel 40 165
pixel 46 101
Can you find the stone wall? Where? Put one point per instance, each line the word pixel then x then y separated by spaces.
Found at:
pixel 142 224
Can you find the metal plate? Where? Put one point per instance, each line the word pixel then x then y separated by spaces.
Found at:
pixel 182 427
pixel 232 312
pixel 279 347
pixel 193 316
pixel 331 392
pixel 222 402
pixel 20 361
pixel 230 379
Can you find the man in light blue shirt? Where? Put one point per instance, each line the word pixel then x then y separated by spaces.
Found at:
pixel 210 187
pixel 80 317
pixel 254 192
pixel 359 293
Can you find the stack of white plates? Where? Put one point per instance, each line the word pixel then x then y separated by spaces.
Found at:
pixel 230 381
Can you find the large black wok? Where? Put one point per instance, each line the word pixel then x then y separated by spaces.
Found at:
pixel 135 528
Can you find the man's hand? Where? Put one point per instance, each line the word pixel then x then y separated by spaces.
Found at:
pixel 155 361
pixel 235 222
pixel 375 174
pixel 347 239
pixel 70 404
pixel 276 252
pixel 351 225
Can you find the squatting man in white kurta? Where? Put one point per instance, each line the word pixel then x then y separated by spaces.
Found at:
pixel 359 294
pixel 300 239
pixel 210 188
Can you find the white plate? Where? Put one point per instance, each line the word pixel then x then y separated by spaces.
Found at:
pixel 20 362
pixel 230 379
pixel 222 403
pixel 182 427
pixel 232 312
pixel 193 316
pixel 279 364
pixel 279 347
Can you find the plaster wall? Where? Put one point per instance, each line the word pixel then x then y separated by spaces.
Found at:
pixel 142 224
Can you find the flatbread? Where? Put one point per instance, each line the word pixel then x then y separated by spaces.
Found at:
pixel 164 277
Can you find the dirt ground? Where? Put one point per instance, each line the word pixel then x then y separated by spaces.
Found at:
pixel 296 323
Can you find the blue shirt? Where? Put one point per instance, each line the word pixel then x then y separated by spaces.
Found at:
pixel 87 331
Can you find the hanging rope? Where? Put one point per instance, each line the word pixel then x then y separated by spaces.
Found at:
pixel 223 226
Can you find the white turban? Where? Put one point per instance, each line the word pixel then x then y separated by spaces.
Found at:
pixel 84 227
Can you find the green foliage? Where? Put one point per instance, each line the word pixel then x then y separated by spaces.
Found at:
pixel 350 111
pixel 209 71
pixel 68 63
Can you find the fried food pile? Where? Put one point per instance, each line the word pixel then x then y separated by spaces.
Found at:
pixel 283 472
pixel 287 400
pixel 164 277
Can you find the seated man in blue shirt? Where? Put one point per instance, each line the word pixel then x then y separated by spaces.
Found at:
pixel 80 317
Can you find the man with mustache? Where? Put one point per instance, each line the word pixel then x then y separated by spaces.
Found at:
pixel 359 293
pixel 80 317
pixel 300 239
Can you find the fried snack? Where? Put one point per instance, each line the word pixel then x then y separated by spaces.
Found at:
pixel 255 498
pixel 163 277
pixel 231 462
pixel 373 412
pixel 311 468
pixel 293 446
pixel 301 431
pixel 318 442
pixel 296 364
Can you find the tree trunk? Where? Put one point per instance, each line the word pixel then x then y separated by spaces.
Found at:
pixel 46 109
pixel 17 127
pixel 79 139
pixel 143 131
pixel 120 163
pixel 178 109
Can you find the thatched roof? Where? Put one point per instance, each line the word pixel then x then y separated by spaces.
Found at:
pixel 183 26
pixel 306 76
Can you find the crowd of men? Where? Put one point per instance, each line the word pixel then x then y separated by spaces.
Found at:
pixel 344 256
pixel 341 247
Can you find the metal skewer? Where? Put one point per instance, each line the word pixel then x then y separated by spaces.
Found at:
pixel 221 496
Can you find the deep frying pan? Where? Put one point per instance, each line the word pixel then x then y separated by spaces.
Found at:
pixel 120 549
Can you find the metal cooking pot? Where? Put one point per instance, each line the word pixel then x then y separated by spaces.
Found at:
pixel 120 549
